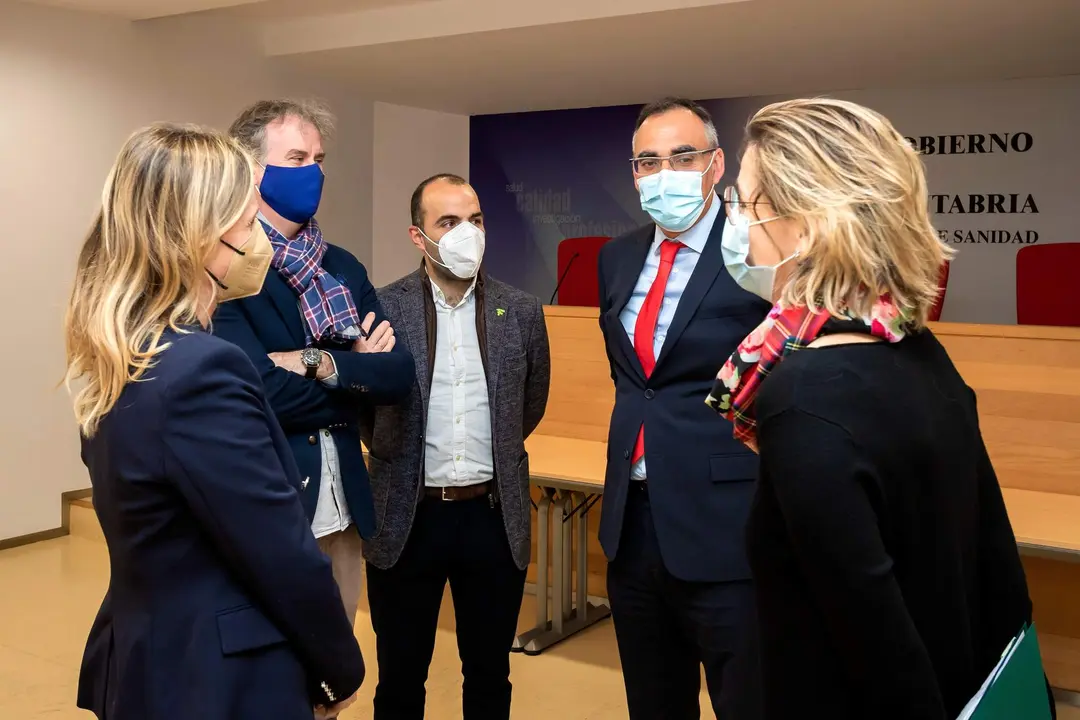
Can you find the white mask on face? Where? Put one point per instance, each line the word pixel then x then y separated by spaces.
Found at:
pixel 735 247
pixel 461 250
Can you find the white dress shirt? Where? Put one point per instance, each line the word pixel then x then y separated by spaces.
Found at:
pixel 458 448
pixel 331 511
pixel 685 261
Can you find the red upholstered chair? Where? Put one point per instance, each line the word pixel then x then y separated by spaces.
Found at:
pixel 576 260
pixel 943 281
pixel 1045 284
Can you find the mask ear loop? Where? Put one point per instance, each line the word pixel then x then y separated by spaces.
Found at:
pixel 232 247
pixel 426 253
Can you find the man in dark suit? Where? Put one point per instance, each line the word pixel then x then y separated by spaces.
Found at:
pixel 678 486
pixel 316 334
pixel 448 466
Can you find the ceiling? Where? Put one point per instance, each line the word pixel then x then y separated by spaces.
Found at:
pixel 433 54
pixel 141 9
pixel 148 9
pixel 755 48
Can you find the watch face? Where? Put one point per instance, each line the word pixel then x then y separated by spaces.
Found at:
pixel 311 357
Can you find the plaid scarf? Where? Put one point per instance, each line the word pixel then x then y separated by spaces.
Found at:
pixel 327 305
pixel 783 332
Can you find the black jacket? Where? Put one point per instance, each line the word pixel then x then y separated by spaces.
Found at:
pixel 888 577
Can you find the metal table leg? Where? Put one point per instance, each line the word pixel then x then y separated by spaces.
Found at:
pixel 584 613
pixel 543 526
pixel 583 557
pixel 568 553
pixel 559 610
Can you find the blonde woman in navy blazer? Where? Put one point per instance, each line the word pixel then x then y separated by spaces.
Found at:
pixel 220 605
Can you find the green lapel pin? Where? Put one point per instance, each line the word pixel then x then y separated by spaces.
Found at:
pixel 500 312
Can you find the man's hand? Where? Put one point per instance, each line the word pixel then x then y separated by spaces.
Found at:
pixel 291 361
pixel 328 713
pixel 381 339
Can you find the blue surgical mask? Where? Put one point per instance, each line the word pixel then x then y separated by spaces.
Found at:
pixel 735 247
pixel 673 198
pixel 293 193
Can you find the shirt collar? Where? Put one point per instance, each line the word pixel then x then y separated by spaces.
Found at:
pixel 696 237
pixel 440 297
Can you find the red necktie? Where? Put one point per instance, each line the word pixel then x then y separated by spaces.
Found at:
pixel 645 327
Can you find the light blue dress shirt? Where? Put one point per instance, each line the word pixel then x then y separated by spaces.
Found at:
pixel 685 261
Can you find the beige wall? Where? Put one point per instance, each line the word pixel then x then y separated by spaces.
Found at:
pixel 410 145
pixel 74 86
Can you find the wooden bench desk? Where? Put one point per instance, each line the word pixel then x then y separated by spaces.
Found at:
pixel 570 473
pixel 1045 524
pixel 1028 385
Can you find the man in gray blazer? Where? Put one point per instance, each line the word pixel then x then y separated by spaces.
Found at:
pixel 449 473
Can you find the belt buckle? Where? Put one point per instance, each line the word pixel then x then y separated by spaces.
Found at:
pixel 444 498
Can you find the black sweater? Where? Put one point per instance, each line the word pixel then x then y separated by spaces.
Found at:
pixel 887 573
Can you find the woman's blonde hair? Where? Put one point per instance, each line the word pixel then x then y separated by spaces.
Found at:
pixel 171 194
pixel 858 190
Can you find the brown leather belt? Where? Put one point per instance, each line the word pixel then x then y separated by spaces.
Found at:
pixel 459 492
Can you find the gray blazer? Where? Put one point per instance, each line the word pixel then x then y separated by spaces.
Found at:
pixel 518 374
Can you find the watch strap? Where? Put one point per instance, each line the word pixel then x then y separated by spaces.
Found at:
pixel 313 370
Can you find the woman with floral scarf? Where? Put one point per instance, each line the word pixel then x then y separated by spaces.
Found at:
pixel 887 575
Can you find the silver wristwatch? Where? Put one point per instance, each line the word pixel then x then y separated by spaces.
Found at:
pixel 312 359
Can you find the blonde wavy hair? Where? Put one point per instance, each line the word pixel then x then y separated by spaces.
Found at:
pixel 858 189
pixel 171 194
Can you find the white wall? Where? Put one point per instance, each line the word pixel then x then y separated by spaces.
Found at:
pixel 74 87
pixel 345 213
pixel 409 145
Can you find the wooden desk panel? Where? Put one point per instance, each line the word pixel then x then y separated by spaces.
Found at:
pixel 582 393
pixel 1027 380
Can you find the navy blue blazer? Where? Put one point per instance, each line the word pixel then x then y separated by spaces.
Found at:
pixel 220 605
pixel 701 480
pixel 271 322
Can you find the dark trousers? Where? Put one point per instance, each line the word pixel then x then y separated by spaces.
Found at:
pixel 667 628
pixel 463 543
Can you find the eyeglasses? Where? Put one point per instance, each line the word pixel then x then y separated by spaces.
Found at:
pixel 693 160
pixel 735 207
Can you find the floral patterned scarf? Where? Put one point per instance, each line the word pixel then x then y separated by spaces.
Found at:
pixel 783 332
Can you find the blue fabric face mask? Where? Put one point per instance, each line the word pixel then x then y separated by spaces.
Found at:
pixel 294 193
pixel 673 198
pixel 735 247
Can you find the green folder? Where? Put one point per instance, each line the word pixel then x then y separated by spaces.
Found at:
pixel 1016 688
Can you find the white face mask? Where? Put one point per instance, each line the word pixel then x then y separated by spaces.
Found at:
pixel 735 247
pixel 461 250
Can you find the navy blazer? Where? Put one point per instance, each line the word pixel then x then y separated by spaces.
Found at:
pixel 701 480
pixel 220 605
pixel 271 322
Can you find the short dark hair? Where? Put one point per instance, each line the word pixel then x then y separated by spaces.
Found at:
pixel 668 104
pixel 416 210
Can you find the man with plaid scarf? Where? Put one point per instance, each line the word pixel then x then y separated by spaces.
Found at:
pixel 316 334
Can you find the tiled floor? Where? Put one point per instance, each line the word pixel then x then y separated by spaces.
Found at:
pixel 51 590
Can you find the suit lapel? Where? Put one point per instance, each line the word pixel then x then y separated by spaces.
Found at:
pixel 628 274
pixel 625 280
pixel 414 324
pixel 495 326
pixel 708 267
pixel 287 305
